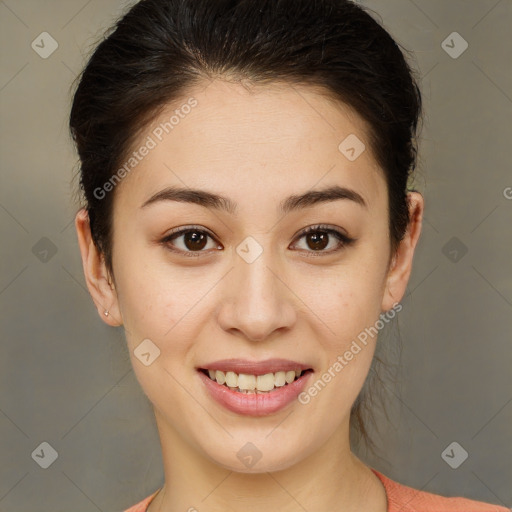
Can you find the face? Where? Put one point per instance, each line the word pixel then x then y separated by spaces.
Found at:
pixel 208 280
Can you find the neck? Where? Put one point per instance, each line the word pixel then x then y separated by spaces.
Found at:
pixel 331 478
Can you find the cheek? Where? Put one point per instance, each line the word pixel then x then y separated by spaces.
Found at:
pixel 155 311
pixel 350 307
pixel 154 299
pixel 170 309
pixel 349 299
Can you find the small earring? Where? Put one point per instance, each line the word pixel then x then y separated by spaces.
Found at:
pixel 106 312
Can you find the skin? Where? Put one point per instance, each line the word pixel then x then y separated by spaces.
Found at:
pixel 256 146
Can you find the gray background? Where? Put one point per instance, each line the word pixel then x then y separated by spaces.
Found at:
pixel 65 377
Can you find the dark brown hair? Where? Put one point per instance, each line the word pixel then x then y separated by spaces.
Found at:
pixel 160 48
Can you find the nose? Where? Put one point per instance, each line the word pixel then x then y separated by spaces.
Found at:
pixel 256 301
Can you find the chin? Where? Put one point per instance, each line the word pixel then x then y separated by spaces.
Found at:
pixel 251 457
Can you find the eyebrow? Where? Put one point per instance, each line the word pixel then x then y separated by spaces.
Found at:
pixel 291 203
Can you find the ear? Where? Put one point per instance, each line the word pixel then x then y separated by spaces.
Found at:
pixel 97 278
pixel 401 266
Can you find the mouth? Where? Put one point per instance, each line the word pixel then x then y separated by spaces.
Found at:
pixel 254 388
pixel 251 384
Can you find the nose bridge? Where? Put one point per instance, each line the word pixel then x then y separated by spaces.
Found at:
pixel 258 302
pixel 253 269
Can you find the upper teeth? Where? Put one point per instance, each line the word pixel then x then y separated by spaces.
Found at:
pixel 243 381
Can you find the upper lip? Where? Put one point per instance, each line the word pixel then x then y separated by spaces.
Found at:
pixel 254 367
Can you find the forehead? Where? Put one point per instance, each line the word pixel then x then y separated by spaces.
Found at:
pixel 252 143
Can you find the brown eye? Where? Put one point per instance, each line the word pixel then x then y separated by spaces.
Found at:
pixel 317 241
pixel 189 241
pixel 318 238
pixel 194 240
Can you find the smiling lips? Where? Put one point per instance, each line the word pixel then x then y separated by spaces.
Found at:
pixel 254 388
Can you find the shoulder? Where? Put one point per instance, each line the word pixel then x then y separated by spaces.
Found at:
pixel 142 505
pixel 402 498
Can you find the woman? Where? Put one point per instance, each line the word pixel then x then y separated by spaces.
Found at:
pixel 245 167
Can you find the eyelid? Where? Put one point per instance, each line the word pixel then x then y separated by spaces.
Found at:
pixel 184 229
pixel 325 228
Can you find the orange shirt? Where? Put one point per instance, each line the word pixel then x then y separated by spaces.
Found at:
pixel 401 499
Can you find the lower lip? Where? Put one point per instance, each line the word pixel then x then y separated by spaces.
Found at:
pixel 254 404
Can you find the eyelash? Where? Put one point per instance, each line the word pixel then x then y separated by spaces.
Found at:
pixel 344 241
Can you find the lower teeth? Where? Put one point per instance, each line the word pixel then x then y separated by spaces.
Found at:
pixel 254 391
pixel 251 391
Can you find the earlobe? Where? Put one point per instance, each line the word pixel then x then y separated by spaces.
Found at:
pixel 96 275
pixel 401 266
